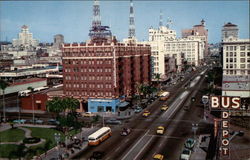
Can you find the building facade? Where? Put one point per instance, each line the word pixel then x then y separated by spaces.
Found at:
pixel 25 39
pixel 199 31
pixel 104 71
pixel 164 43
pixel 236 63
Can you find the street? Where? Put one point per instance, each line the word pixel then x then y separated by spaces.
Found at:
pixel 143 142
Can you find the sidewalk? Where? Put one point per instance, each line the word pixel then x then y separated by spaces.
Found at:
pixel 199 153
pixel 74 149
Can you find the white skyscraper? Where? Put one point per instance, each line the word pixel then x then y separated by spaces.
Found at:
pixel 25 39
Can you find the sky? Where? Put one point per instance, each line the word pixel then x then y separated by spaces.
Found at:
pixel 73 18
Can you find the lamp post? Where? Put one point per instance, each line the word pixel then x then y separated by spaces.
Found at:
pixel 205 100
pixel 57 139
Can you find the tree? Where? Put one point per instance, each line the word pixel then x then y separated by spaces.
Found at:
pixel 55 106
pixel 158 77
pixel 32 103
pixel 3 86
pixel 70 104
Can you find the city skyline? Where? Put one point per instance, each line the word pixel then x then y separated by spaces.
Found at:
pixel 46 19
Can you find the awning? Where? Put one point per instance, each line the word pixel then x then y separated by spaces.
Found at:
pixel 123 104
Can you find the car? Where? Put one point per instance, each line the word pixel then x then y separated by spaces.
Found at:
pixel 125 131
pixel 20 121
pixel 88 114
pixel 113 121
pixel 164 107
pixel 160 130
pixel 146 113
pixel 189 143
pixel 97 155
pixel 39 121
pixel 138 109
pixel 53 122
pixel 158 156
pixel 185 155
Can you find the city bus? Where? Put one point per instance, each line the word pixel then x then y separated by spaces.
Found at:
pixel 164 96
pixel 99 136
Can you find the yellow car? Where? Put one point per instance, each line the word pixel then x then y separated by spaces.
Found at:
pixel 158 156
pixel 146 113
pixel 160 130
pixel 164 107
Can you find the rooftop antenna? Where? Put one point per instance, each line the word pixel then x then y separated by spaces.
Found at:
pixel 96 14
pixel 98 33
pixel 131 31
pixel 161 23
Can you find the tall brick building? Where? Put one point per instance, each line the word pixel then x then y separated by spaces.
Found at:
pixel 106 70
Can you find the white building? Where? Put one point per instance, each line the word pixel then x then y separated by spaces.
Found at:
pixel 236 63
pixel 25 39
pixel 164 43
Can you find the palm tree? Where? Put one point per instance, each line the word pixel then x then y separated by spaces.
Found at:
pixel 55 106
pixel 32 103
pixel 3 86
pixel 158 77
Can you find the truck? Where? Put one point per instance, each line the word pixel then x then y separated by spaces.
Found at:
pixel 164 96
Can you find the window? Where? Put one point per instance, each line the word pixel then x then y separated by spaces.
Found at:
pixel 242 60
pixel 242 48
pixel 242 66
pixel 242 54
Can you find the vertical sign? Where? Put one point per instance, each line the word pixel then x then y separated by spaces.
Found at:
pixel 224 104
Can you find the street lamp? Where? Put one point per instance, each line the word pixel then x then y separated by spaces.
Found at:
pixel 205 100
pixel 194 128
pixel 57 139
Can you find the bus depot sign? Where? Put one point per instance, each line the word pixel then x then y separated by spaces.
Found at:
pixel 224 104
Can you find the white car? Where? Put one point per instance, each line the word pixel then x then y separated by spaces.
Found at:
pixel 186 154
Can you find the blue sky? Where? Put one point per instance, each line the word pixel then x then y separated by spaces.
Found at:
pixel 73 18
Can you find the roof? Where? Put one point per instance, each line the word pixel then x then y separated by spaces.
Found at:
pixel 229 24
pixel 97 133
pixel 123 104
pixel 30 80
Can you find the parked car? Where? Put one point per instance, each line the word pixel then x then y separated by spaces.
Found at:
pixel 138 109
pixel 125 132
pixel 113 121
pixel 20 121
pixel 38 121
pixel 53 122
pixel 146 113
pixel 189 143
pixel 185 155
pixel 97 155
pixel 88 114
pixel 158 156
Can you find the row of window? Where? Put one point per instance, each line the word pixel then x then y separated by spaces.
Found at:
pixel 89 61
pixel 88 70
pixel 242 54
pixel 89 94
pixel 241 72
pixel 234 48
pixel 86 77
pixel 85 85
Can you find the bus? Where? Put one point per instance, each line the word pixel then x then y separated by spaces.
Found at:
pixel 24 93
pixel 41 88
pixel 164 96
pixel 99 136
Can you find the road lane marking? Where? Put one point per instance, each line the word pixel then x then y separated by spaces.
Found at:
pixel 135 145
pixel 143 148
pixel 117 148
